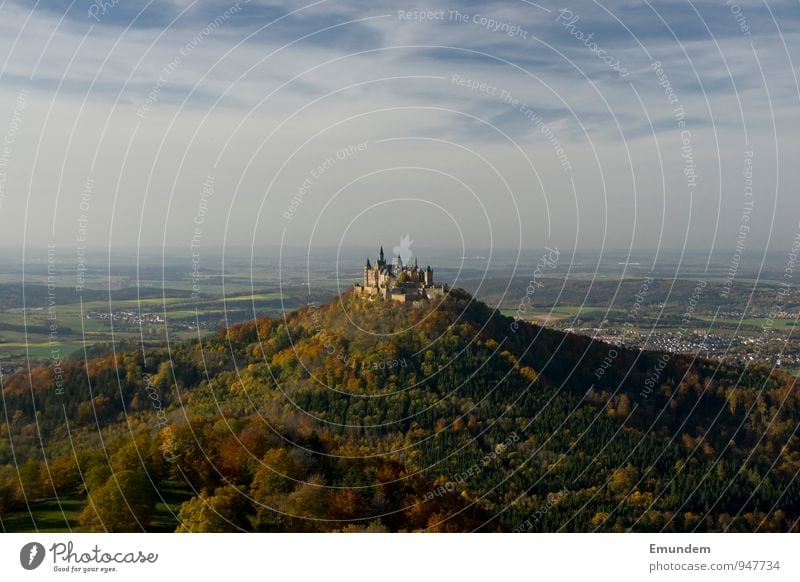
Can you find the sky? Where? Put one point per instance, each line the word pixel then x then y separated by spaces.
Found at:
pixel 469 125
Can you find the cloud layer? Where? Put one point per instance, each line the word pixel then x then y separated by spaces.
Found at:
pixel 500 123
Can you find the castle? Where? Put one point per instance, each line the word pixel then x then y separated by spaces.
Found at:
pixel 398 282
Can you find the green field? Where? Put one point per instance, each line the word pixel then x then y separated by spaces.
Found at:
pixel 73 324
pixel 55 515
pixel 52 515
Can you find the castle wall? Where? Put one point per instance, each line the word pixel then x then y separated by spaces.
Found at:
pixel 399 297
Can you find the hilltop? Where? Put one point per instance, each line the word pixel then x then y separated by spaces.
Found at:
pixel 382 416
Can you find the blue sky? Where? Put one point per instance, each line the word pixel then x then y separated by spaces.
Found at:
pixel 145 101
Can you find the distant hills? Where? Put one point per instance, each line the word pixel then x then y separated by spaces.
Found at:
pixel 372 416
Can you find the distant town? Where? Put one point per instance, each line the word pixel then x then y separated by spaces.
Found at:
pixel 776 352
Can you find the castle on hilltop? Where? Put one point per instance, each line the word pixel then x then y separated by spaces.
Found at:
pixel 397 281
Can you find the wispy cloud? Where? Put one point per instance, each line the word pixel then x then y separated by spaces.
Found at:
pixel 263 77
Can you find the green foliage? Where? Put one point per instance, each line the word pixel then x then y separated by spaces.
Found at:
pixel 122 504
pixel 224 511
pixel 462 420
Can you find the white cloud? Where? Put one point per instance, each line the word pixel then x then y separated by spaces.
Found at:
pixel 578 104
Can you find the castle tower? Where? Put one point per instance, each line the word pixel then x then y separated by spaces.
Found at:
pixel 428 276
pixel 367 268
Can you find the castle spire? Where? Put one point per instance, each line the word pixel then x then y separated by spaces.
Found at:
pixel 380 257
pixel 368 265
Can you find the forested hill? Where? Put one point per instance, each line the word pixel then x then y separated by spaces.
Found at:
pixel 359 415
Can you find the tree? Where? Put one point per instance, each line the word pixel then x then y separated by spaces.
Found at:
pixel 65 476
pixel 279 473
pixel 224 511
pixel 277 476
pixel 121 504
pixel 30 475
pixel 10 497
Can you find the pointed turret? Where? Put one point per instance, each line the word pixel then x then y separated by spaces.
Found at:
pixel 368 265
pixel 380 256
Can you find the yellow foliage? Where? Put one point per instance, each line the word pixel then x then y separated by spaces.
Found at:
pixel 529 374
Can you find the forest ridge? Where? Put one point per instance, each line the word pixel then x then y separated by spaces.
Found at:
pixel 379 416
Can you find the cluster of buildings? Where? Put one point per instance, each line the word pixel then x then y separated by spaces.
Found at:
pixel 398 282
pixel 714 345
pixel 8 369
pixel 133 317
pixel 729 348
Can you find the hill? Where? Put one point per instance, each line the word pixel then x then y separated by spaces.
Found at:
pixel 370 416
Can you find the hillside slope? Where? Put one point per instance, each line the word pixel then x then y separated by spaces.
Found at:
pixel 358 415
